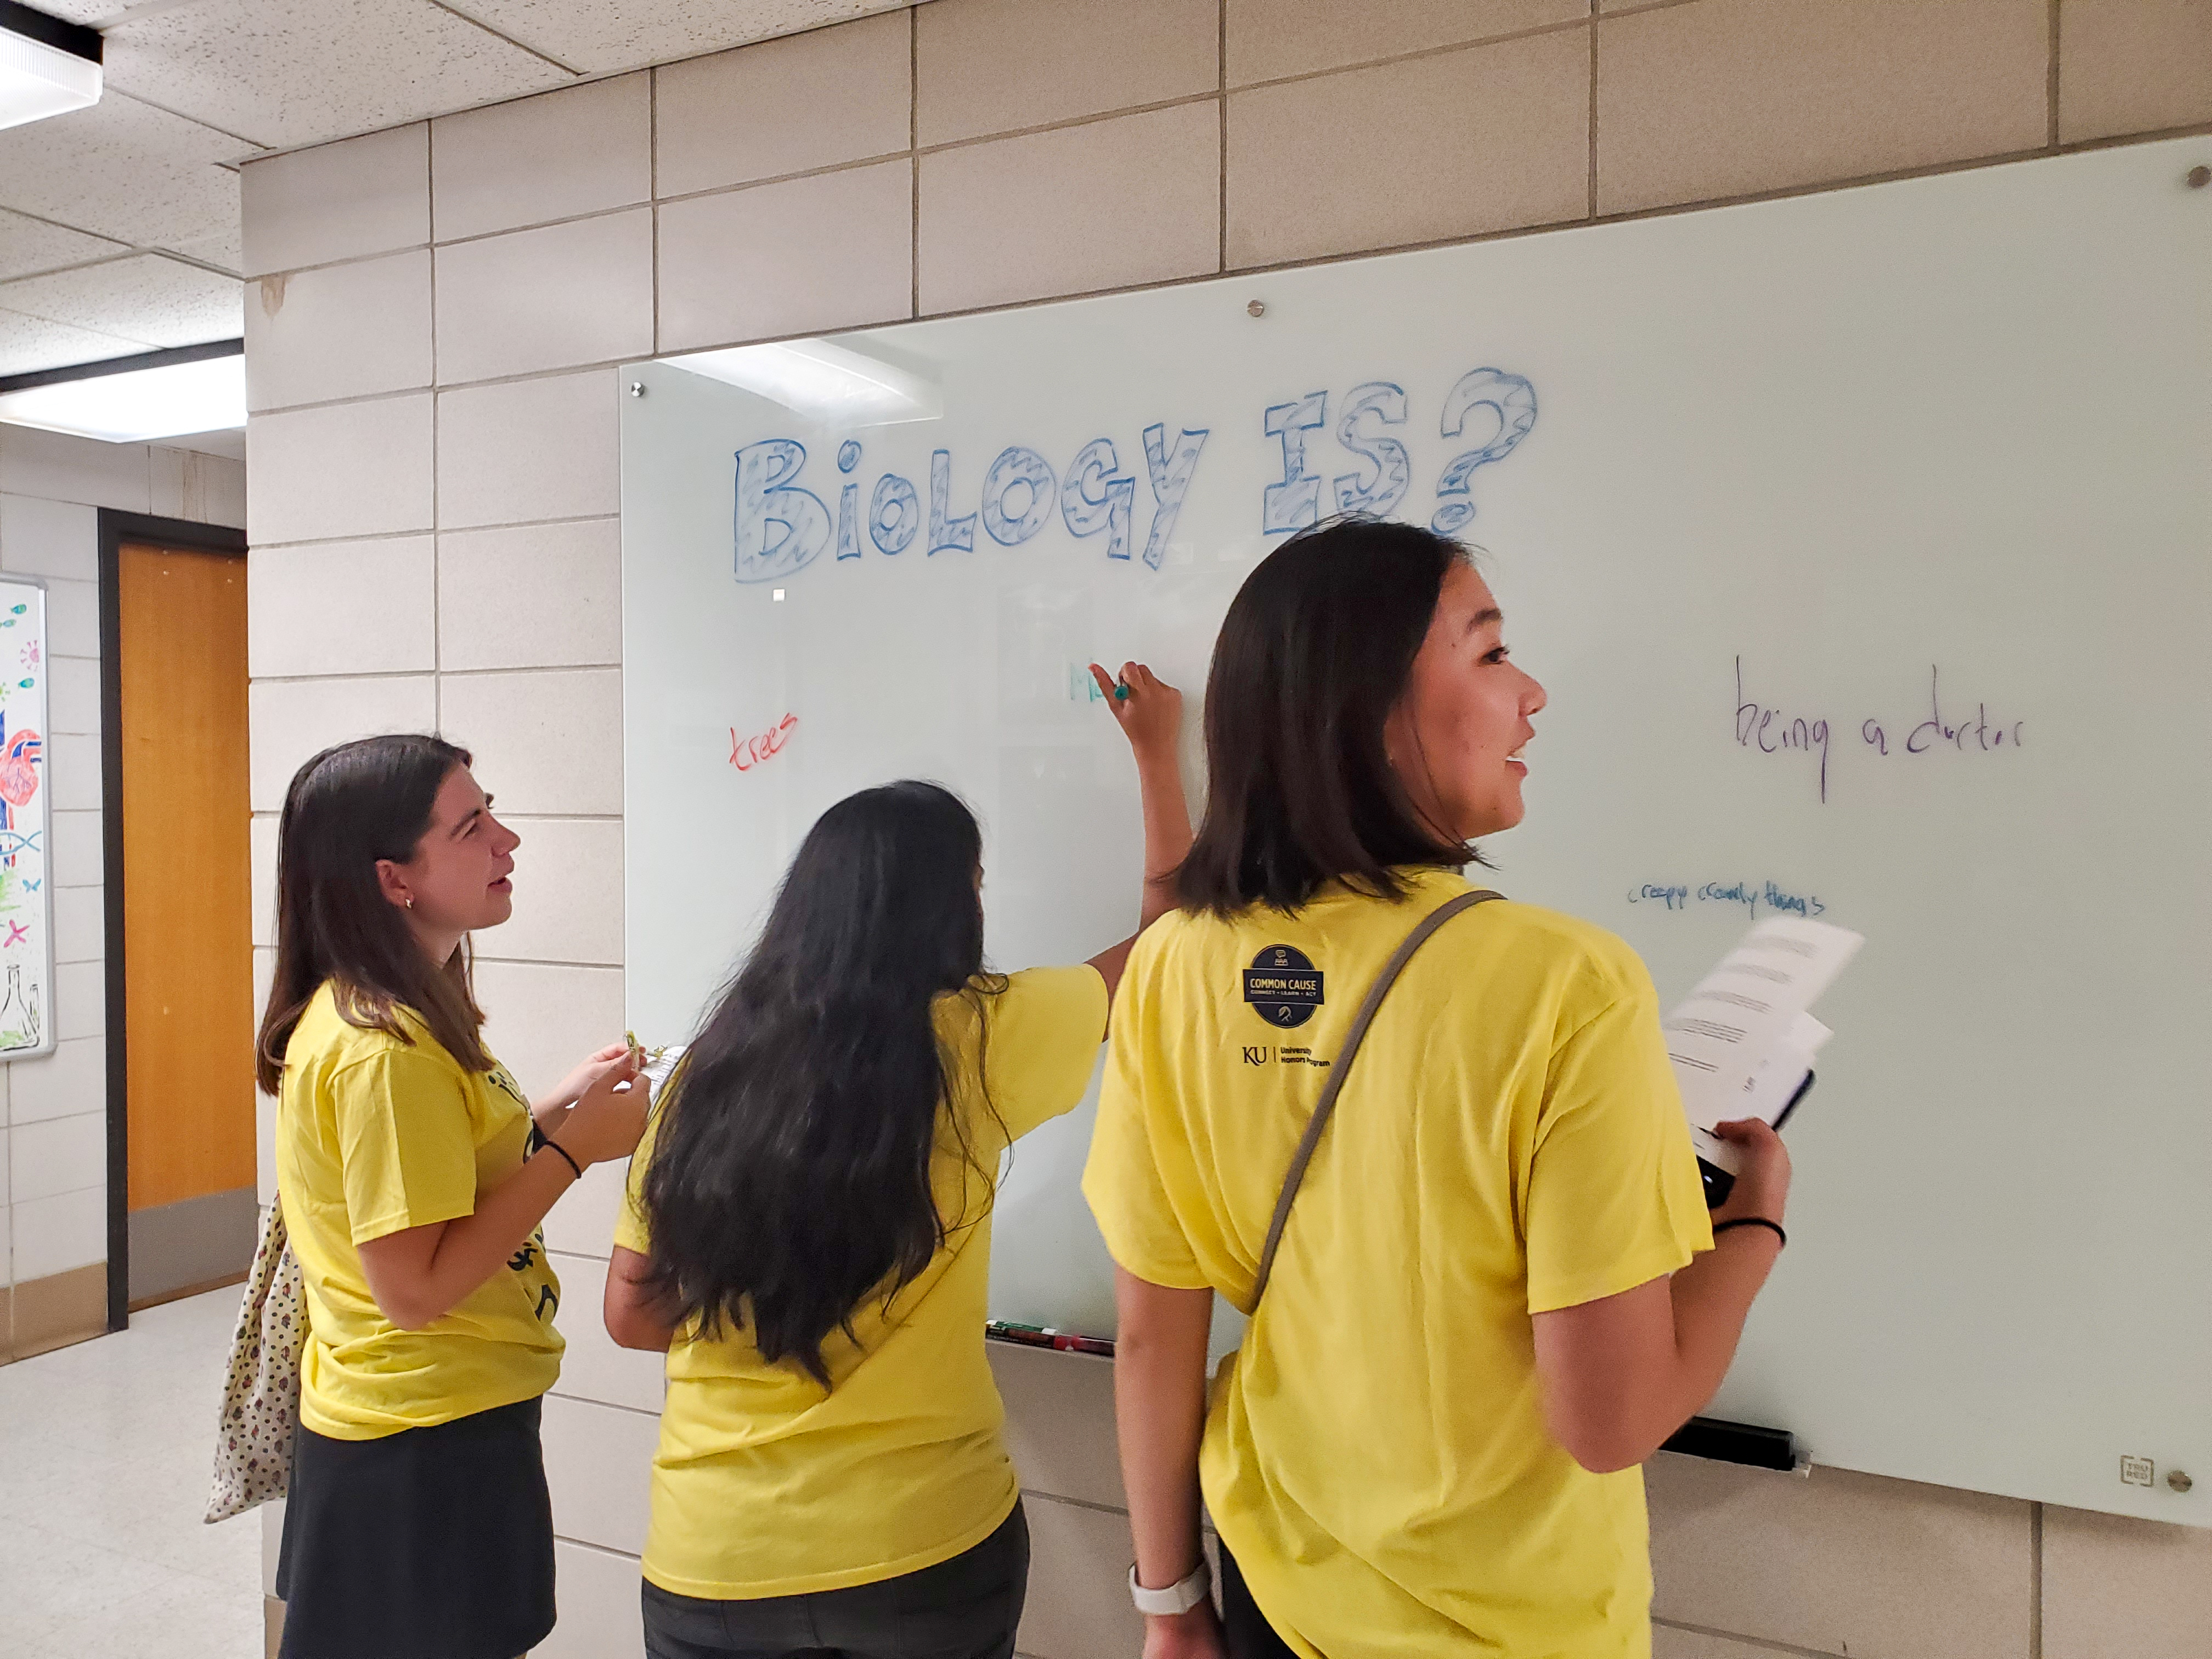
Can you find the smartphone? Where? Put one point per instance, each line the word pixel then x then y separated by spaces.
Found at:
pixel 1719 1184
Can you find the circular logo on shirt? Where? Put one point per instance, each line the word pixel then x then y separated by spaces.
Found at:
pixel 1283 987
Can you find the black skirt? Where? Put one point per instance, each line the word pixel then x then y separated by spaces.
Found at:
pixel 430 1543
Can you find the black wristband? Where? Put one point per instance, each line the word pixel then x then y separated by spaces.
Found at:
pixel 1720 1227
pixel 557 1146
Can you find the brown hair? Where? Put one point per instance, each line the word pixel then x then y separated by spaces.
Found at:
pixel 347 808
pixel 1313 655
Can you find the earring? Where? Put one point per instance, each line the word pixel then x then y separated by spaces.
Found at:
pixel 411 901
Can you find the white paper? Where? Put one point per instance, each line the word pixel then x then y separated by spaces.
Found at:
pixel 659 1063
pixel 1742 1040
pixel 1768 1089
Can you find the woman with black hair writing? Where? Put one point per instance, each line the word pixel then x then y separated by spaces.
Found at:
pixel 809 1235
pixel 1483 1311
pixel 417 1525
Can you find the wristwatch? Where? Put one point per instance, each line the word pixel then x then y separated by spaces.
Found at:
pixel 1175 1598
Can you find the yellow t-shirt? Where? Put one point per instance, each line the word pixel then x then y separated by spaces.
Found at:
pixel 1509 1142
pixel 374 1136
pixel 765 1486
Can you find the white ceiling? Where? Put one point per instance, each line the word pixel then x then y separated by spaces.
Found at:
pixel 119 224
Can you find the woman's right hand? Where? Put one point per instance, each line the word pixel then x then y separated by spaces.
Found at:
pixel 608 1119
pixel 1193 1635
pixel 1148 710
pixel 1762 1184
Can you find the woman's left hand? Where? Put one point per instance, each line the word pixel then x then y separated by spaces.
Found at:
pixel 589 1070
pixel 1150 714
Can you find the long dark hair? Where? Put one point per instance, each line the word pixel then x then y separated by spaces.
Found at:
pixel 1313 656
pixel 346 809
pixel 789 1179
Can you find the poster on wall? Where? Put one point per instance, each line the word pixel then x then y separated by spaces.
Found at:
pixel 27 953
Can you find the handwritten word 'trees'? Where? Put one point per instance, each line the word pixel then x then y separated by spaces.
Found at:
pixel 751 751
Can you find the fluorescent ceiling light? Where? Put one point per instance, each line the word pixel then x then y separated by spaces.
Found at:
pixel 47 67
pixel 822 382
pixel 158 394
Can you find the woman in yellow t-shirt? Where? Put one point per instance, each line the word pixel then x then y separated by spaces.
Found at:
pixel 413 1173
pixel 809 1235
pixel 1483 1313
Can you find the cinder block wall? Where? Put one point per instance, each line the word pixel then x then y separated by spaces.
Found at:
pixel 431 351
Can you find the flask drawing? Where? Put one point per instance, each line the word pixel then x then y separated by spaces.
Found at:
pixel 19 1014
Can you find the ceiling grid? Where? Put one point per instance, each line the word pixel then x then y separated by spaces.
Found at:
pixel 119 224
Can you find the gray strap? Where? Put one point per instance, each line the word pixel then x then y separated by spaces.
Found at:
pixel 1414 940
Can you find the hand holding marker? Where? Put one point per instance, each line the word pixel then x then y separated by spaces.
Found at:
pixel 1149 711
pixel 1147 707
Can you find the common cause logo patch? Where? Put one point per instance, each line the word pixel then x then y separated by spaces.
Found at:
pixel 1283 986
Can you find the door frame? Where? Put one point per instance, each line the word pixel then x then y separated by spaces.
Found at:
pixel 116 528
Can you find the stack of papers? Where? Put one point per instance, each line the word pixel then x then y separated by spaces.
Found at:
pixel 1743 1041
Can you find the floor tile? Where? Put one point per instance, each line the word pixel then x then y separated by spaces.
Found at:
pixel 104 1452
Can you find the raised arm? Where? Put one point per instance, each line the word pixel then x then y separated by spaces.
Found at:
pixel 1621 1375
pixel 1150 715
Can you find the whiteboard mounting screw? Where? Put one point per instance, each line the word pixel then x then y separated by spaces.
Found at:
pixel 2199 177
pixel 637 388
pixel 1257 308
pixel 2179 1481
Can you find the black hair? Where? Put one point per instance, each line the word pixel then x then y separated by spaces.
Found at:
pixel 1314 654
pixel 346 809
pixel 789 1179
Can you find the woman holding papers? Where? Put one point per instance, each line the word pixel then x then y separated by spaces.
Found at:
pixel 413 1173
pixel 1496 1291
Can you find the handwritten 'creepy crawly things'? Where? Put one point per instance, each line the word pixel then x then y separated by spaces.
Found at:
pixel 1938 733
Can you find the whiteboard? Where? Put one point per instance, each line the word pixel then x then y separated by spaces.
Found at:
pixel 26 934
pixel 1865 545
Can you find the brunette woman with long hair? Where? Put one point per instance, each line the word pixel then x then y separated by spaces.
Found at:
pixel 809 1236
pixel 1496 1291
pixel 413 1173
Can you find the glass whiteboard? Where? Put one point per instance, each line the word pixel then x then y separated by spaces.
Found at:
pixel 1864 544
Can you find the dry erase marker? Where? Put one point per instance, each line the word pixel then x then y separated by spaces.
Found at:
pixel 1120 690
pixel 1068 1343
pixel 1030 1336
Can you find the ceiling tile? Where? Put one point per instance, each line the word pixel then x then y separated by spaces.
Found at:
pixel 92 14
pixel 285 72
pixel 224 248
pixel 27 343
pixel 30 245
pixel 123 169
pixel 596 36
pixel 146 298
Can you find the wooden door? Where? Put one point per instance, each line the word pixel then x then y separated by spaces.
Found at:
pixel 187 930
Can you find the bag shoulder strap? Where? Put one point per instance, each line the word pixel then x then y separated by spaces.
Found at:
pixel 1414 940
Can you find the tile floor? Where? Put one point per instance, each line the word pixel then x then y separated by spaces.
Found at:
pixel 104 1461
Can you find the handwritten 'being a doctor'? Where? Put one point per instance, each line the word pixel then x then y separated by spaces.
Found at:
pixel 1773 730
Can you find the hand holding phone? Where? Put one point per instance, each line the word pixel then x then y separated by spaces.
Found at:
pixel 1720 1185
